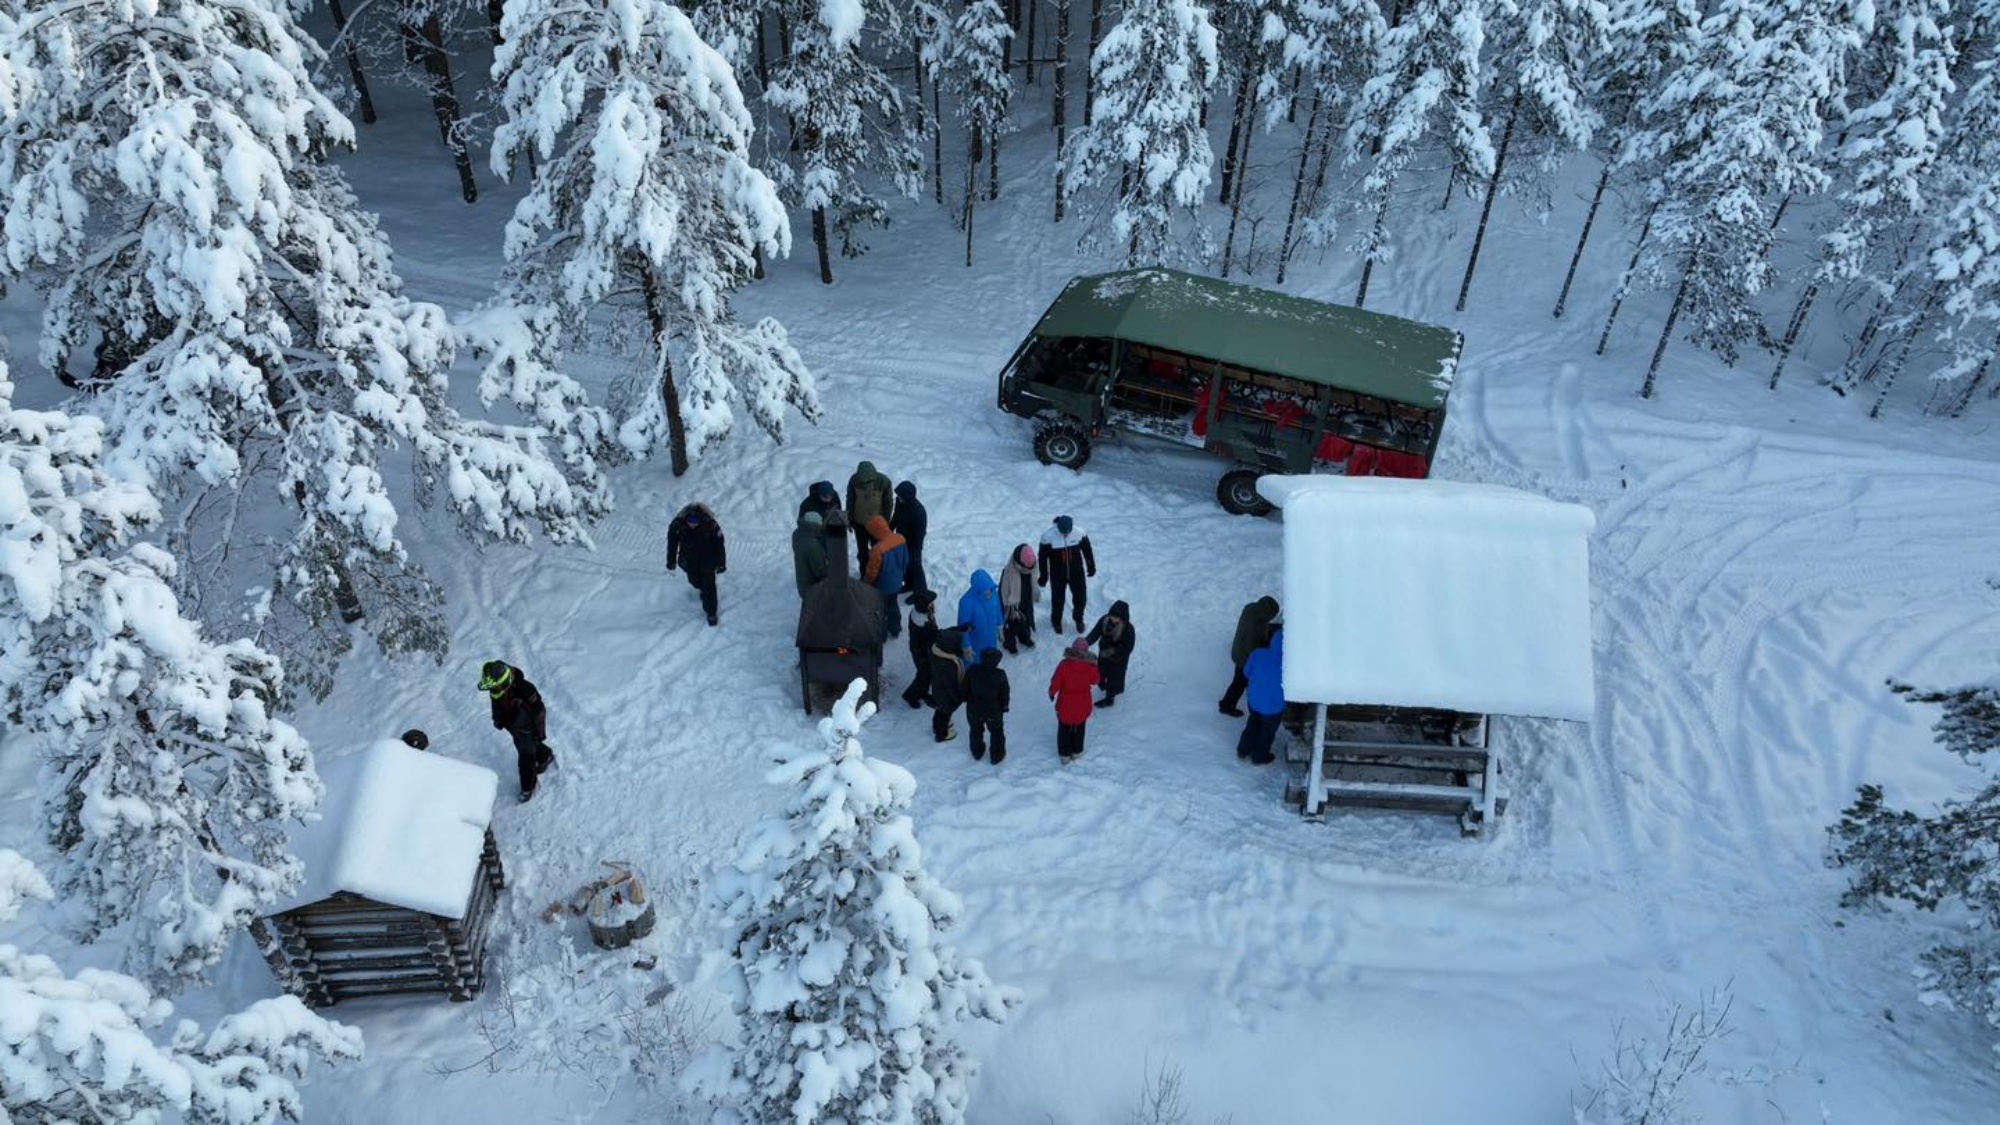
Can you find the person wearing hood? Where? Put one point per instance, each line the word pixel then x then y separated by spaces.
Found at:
pixel 1253 631
pixel 695 547
pixel 1066 559
pixel 979 612
pixel 1266 672
pixel 923 634
pixel 869 494
pixel 1072 687
pixel 947 680
pixel 518 710
pixel 888 558
pixel 986 705
pixel 1114 637
pixel 824 499
pixel 809 551
pixel 1017 599
pixel 911 522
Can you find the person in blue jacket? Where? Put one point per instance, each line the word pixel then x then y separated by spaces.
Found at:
pixel 1266 672
pixel 979 613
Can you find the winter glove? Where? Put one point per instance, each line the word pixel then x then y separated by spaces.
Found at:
pixel 721 570
pixel 671 567
pixel 1042 581
pixel 1090 573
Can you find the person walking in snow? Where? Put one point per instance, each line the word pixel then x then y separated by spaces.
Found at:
pixel 947 681
pixel 869 494
pixel 1065 561
pixel 979 612
pixel 518 710
pixel 912 522
pixel 1072 687
pixel 695 547
pixel 1017 599
pixel 1266 671
pixel 986 703
pixel 1253 631
pixel 888 558
pixel 809 551
pixel 1114 637
pixel 923 634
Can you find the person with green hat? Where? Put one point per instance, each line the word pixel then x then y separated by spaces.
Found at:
pixel 870 493
pixel 518 710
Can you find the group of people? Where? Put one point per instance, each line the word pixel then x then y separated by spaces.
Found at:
pixel 956 665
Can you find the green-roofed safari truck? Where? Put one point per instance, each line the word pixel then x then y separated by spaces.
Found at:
pixel 1270 381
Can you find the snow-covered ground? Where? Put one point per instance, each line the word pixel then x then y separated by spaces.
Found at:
pixel 1761 563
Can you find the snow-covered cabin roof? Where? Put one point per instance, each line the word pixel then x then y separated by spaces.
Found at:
pixel 399 826
pixel 1428 593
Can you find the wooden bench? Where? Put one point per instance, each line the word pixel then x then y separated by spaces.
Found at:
pixel 1396 759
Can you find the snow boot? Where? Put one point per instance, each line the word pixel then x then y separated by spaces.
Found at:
pixel 1107 701
pixel 714 619
pixel 1232 712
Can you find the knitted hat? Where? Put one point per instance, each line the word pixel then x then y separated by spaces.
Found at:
pixel 923 600
pixel 1026 555
pixel 812 519
pixel 1065 524
pixel 1079 645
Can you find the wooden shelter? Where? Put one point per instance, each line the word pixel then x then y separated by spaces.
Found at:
pixel 1417 611
pixel 402 875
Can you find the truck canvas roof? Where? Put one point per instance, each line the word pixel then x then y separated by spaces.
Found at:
pixel 1371 353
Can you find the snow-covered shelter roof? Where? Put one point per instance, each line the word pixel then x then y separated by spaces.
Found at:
pixel 399 826
pixel 1428 593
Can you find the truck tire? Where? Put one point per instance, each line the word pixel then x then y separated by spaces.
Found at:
pixel 1238 495
pixel 1062 443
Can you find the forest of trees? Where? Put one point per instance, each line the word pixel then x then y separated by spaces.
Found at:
pixel 229 322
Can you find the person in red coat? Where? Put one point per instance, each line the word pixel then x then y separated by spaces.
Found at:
pixel 1073 688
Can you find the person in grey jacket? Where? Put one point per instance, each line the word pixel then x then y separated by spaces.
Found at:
pixel 1017 600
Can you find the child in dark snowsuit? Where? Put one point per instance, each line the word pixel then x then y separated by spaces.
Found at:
pixel 986 705
pixel 1114 637
pixel 923 634
pixel 518 710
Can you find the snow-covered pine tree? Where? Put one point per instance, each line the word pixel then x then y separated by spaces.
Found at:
pixel 1729 136
pixel 977 71
pixel 1543 54
pixel 1890 144
pixel 1329 50
pixel 1943 857
pixel 167 779
pixel 1429 72
pixel 1152 75
pixel 96 1046
pixel 167 193
pixel 644 189
pixel 849 990
pixel 1647 39
pixel 847 121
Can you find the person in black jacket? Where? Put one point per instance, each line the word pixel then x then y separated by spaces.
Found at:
pixel 911 522
pixel 822 497
pixel 1064 560
pixel 923 634
pixel 986 705
pixel 1113 637
pixel 695 547
pixel 947 680
pixel 518 710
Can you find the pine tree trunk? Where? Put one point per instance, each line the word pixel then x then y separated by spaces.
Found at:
pixel 1090 79
pixel 1236 120
pixel 496 10
pixel 1625 279
pixel 1973 384
pixel 1012 12
pixel 444 102
pixel 937 145
pixel 670 394
pixel 993 168
pixel 763 56
pixel 1059 107
pixel 1792 330
pixel 1902 355
pixel 1368 263
pixel 972 159
pixel 366 106
pixel 1589 218
pixel 1778 216
pixel 1850 371
pixel 819 244
pixel 1028 44
pixel 1235 209
pixel 1492 192
pixel 1667 331
pixel 1298 188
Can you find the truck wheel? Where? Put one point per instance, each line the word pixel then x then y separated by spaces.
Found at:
pixel 1238 495
pixel 1062 443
